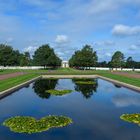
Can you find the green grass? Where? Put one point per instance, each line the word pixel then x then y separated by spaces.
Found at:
pixel 70 71
pixel 11 82
pixel 132 81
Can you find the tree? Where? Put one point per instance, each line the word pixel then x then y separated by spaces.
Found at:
pixel 8 56
pixel 45 56
pixel 130 63
pixel 117 60
pixel 84 58
pixel 25 59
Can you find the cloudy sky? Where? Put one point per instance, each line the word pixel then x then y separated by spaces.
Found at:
pixel 67 25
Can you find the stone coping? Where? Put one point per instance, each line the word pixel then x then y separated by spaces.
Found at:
pixel 69 76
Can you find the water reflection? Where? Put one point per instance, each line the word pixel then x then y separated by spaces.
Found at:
pixel 41 85
pixel 86 89
pixel 117 86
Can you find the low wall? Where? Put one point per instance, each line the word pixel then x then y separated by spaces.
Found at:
pixel 92 68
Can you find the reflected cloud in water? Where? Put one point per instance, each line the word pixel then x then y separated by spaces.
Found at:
pixel 124 100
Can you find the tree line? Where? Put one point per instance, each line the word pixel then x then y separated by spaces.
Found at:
pixel 87 57
pixel 46 56
pixel 43 56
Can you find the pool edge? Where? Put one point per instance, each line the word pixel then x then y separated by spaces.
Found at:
pixel 10 90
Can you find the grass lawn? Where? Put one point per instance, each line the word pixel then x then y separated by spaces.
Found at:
pixel 131 81
pixel 8 83
pixel 11 82
pixel 69 71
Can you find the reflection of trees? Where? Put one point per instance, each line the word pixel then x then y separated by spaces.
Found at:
pixel 117 86
pixel 86 89
pixel 41 85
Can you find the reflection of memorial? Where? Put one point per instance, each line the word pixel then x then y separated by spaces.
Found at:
pixel 41 85
pixel 86 89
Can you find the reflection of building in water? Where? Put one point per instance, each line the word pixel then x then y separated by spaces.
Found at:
pixel 65 64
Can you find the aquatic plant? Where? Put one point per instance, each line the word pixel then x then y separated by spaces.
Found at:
pixel 58 92
pixel 85 82
pixel 132 118
pixel 23 124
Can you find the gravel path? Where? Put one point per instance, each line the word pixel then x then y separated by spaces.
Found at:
pixel 6 76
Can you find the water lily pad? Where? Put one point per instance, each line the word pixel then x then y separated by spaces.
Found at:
pixel 132 118
pixel 58 92
pixel 23 124
pixel 85 82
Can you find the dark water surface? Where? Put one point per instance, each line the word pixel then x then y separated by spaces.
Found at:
pixel 95 110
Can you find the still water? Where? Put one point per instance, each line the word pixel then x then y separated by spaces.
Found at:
pixel 95 110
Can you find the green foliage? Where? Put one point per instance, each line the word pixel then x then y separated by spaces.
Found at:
pixel 132 118
pixel 45 56
pixel 85 82
pixel 59 92
pixel 40 86
pixel 117 60
pixel 10 57
pixel 30 125
pixel 84 58
pixel 11 82
pixel 86 89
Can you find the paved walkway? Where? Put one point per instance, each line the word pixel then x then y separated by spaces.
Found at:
pixel 6 76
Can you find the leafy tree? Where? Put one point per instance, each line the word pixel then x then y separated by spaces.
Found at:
pixel 44 56
pixel 25 59
pixel 84 58
pixel 117 60
pixel 8 56
pixel 130 63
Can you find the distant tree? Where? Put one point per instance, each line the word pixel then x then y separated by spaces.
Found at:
pixel 102 64
pixel 130 63
pixel 117 60
pixel 45 56
pixel 25 59
pixel 8 56
pixel 85 57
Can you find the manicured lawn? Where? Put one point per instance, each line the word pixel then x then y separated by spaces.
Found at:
pixel 8 83
pixel 132 81
pixel 11 82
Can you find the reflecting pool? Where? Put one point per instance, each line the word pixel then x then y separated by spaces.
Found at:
pixel 94 108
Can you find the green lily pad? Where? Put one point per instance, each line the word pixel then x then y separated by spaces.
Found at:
pixel 58 92
pixel 85 82
pixel 132 118
pixel 23 124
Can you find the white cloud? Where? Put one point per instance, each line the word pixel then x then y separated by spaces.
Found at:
pixel 61 39
pixel 124 30
pixel 133 47
pixel 30 49
pixel 126 100
pixel 108 54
